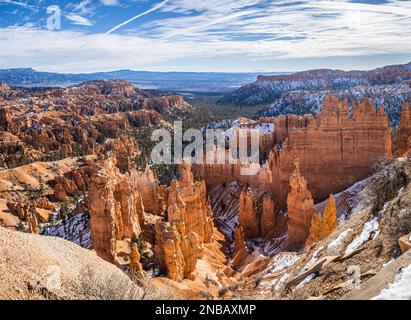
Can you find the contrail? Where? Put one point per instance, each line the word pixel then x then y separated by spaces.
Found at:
pixel 21 4
pixel 156 7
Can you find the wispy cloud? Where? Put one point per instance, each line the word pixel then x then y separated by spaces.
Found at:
pixel 219 34
pixel 78 20
pixel 20 4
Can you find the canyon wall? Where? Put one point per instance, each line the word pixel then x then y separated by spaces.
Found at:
pixel 335 151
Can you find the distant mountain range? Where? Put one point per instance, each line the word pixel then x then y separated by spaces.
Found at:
pixel 267 89
pixel 167 81
pixel 304 92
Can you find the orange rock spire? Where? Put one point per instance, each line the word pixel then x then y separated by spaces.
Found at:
pixel 300 210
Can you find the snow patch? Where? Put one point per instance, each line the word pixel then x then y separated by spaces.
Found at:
pixel 281 262
pixel 283 279
pixel 369 228
pixel 400 289
pixel 335 245
pixel 305 281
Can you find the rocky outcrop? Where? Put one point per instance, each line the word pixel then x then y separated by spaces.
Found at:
pixel 179 242
pixel 115 209
pixel 233 170
pixel 136 269
pixel 268 218
pixel 300 206
pixel 4 87
pixel 248 218
pixel 330 216
pixel 149 189
pixel 32 221
pixel 125 149
pixel 257 215
pixel 187 200
pixel 6 121
pixel 402 141
pixel 240 247
pixel 177 250
pixel 268 89
pixel 335 150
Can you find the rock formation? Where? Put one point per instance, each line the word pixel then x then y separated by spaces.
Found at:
pixel 257 214
pixel 300 210
pixel 135 266
pixel 247 217
pixel 187 200
pixel 32 221
pixel 335 151
pixel 402 142
pixel 268 218
pixel 179 242
pixel 177 250
pixel 115 209
pixel 240 247
pixel 4 87
pixel 149 189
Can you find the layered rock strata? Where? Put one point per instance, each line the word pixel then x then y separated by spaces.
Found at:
pixel 335 150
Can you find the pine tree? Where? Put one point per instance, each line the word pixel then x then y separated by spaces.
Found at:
pixel 330 216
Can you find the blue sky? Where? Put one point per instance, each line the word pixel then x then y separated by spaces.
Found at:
pixel 205 35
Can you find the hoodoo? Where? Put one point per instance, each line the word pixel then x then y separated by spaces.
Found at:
pixel 300 206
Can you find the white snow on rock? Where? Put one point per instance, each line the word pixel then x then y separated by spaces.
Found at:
pixel 283 279
pixel 335 245
pixel 282 261
pixel 400 289
pixel 369 228
pixel 305 281
pixel 265 128
pixel 313 258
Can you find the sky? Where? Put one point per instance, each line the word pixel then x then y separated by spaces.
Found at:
pixel 204 35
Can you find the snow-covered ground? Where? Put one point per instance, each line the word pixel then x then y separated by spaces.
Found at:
pixel 75 229
pixel 400 289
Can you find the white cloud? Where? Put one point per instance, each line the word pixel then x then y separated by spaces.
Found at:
pixel 109 3
pixel 78 20
pixel 217 31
